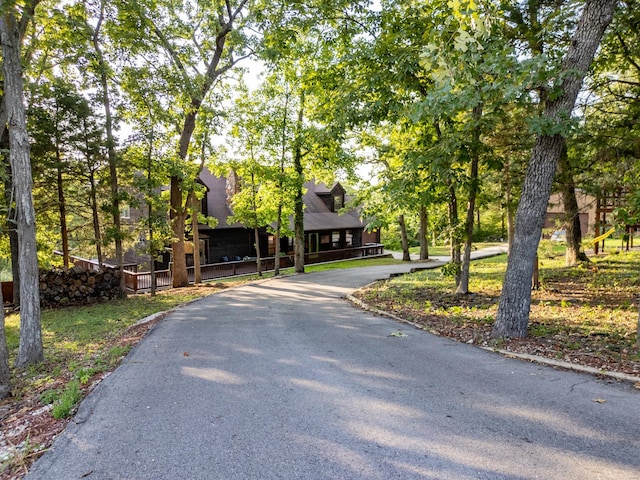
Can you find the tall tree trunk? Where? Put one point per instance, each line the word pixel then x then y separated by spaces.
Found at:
pixel 276 265
pixel 256 227
pixel 638 329
pixel 298 212
pixel 424 233
pixel 150 219
pixel 511 226
pixel 152 254
pixel 574 252
pixel 283 154
pixel 509 210
pixel 535 279
pixel 177 205
pixel 463 286
pixel 197 272
pixel 62 211
pixel 111 150
pixel 512 319
pixel 453 226
pixel 5 372
pixel 30 349
pixel 406 256
pixel 12 232
pixel 178 216
pixel 95 219
pixel 256 232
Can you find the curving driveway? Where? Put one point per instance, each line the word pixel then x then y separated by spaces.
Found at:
pixel 285 380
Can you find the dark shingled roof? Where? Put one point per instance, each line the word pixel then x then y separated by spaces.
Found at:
pixel 317 216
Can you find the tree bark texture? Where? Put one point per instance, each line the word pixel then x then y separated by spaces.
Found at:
pixel 463 285
pixel 178 216
pixel 5 372
pixel 256 228
pixel 10 224
pixel 111 150
pixel 197 271
pixel 95 216
pixel 406 257
pixel 30 349
pixel 453 226
pixel 152 251
pixel 276 267
pixel 298 207
pixel 178 207
pixel 424 233
pixel 574 252
pixel 256 233
pixel 638 329
pixel 513 311
pixel 62 212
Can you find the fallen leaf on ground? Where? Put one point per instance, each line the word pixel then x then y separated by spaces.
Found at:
pixel 398 334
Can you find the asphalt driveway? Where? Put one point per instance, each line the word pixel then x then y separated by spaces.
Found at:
pixel 285 380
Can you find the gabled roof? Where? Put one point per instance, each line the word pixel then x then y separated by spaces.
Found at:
pixel 317 215
pixel 217 205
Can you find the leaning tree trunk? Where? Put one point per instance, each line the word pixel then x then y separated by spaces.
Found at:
pixel 513 311
pixel 406 256
pixel 30 349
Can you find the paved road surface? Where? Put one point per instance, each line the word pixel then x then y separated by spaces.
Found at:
pixel 285 380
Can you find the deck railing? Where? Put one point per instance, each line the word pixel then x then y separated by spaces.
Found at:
pixel 141 281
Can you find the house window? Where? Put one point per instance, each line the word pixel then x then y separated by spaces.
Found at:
pixel 204 209
pixel 349 239
pixel 271 245
pixel 335 239
pixel 338 202
pixel 125 212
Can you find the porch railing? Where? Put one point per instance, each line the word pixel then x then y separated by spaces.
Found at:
pixel 141 281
